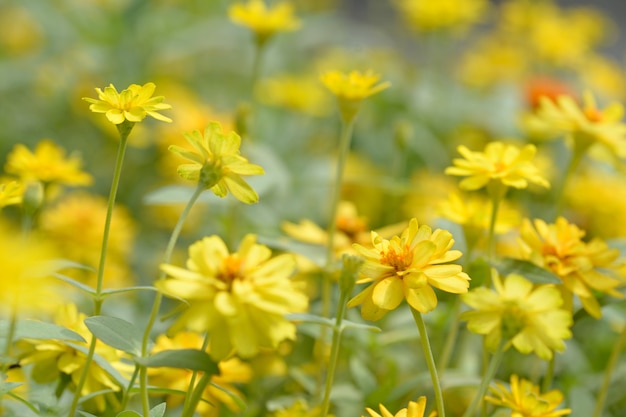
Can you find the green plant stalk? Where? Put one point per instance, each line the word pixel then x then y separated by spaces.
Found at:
pixel 192 381
pixel 196 395
pixel 484 383
pixel 156 306
pixel 496 190
pixel 131 382
pixel 610 366
pixel 124 130
pixel 547 379
pixel 577 156
pixel 430 361
pixel 451 337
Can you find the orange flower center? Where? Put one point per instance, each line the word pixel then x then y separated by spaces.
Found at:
pixel 231 266
pixel 351 226
pixel 593 115
pixel 400 261
pixel 499 166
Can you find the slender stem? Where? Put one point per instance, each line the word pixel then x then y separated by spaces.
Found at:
pixel 484 384
pixel 430 361
pixel 131 382
pixel 124 130
pixel 451 337
pixel 196 395
pixel 497 190
pixel 194 376
pixel 169 250
pixel 569 172
pixel 547 379
pixel 610 366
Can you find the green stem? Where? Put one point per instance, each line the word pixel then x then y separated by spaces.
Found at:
pixel 196 395
pixel 430 361
pixel 126 393
pixel 610 366
pixel 547 379
pixel 497 190
pixel 577 156
pixel 169 250
pixel 484 384
pixel 124 130
pixel 453 331
pixel 194 376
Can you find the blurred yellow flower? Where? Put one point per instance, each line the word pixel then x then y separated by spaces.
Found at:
pixel 407 267
pixel 132 104
pixel 217 163
pixel 232 371
pixel 264 21
pixel 299 409
pixel 582 266
pixel 530 318
pixel 48 164
pixel 499 163
pixel 524 399
pixel 428 16
pixel 585 125
pixel 240 298
pixel 414 409
pixel 474 211
pixel 298 93
pixel 11 193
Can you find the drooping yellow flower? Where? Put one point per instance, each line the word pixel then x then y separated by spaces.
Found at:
pixel 240 298
pixel 48 164
pixel 415 409
pixel 499 163
pixel 584 125
pixel 518 313
pixel 11 192
pixel 217 163
pixel 264 21
pixel 524 399
pixel 428 16
pixel 232 371
pixel 408 267
pixel 132 104
pixel 53 359
pixel 559 248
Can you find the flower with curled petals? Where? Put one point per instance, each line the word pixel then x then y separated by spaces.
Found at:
pixel 408 267
pixel 414 409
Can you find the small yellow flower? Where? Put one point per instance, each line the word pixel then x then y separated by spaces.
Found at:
pixel 524 399
pixel 299 409
pixel 415 409
pixel 132 104
pixel 11 192
pixel 240 298
pixel 48 164
pixel 499 163
pixel 428 16
pixel 584 125
pixel 558 247
pixel 217 163
pixel 408 266
pixel 264 21
pixel 530 318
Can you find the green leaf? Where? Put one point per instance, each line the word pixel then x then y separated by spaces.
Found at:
pixel 74 283
pixel 193 359
pixel 129 289
pixel 129 413
pixel 39 330
pixel 347 324
pixel 116 332
pixel 237 399
pixel 5 386
pixel 158 410
pixel 310 318
pixel 526 269
pixel 85 414
pixel 105 365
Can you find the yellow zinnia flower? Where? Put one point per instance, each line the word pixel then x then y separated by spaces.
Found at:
pixel 48 164
pixel 415 409
pixel 217 163
pixel 11 192
pixel 428 16
pixel 558 247
pixel 264 21
pixel 408 266
pixel 132 104
pixel 517 313
pixel 239 298
pixel 499 163
pixel 524 399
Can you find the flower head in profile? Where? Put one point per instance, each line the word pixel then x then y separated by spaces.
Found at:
pixel 499 163
pixel 518 313
pixel 264 21
pixel 408 267
pixel 583 267
pixel 524 399
pixel 242 296
pixel 415 409
pixel 351 88
pixel 132 104
pixel 11 192
pixel 48 163
pixel 217 163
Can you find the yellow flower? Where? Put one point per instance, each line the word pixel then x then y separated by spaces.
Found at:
pixel 427 16
pixel 11 192
pixel 239 298
pixel 415 409
pixel 474 212
pixel 264 21
pixel 299 409
pixel 217 163
pixel 232 371
pixel 525 400
pixel 132 104
pixel 408 266
pixel 558 247
pixel 584 125
pixel 352 88
pixel 298 93
pixel 52 359
pixel 47 164
pixel 499 163
pixel 517 313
